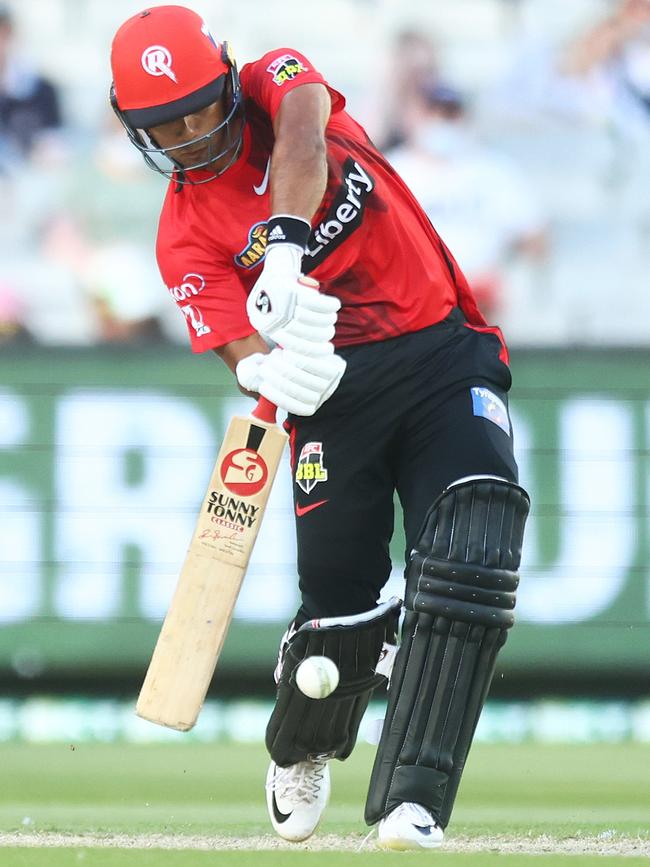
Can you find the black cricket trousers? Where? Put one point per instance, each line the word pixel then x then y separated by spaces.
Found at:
pixel 412 414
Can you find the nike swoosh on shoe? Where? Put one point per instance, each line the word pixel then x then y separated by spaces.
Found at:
pixel 280 817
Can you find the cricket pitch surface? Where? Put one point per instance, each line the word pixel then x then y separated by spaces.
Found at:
pixel 182 804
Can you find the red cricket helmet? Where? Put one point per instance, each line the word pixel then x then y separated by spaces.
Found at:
pixel 166 65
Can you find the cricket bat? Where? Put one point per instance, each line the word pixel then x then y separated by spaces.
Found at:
pixel 201 609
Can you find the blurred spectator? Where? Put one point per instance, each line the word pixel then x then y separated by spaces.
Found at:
pixel 39 299
pixel 600 81
pixel 577 117
pixel 109 249
pixel 30 117
pixel 477 199
pixel 412 60
pixel 618 51
pixel 12 317
pixel 50 307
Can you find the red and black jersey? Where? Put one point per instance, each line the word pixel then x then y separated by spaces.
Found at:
pixel 371 245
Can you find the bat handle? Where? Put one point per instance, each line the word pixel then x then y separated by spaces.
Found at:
pixel 265 410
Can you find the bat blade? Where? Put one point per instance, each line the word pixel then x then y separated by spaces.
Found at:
pixel 201 609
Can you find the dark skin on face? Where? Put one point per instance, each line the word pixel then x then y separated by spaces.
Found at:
pixel 193 126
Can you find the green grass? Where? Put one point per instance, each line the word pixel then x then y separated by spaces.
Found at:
pixel 194 789
pixel 158 858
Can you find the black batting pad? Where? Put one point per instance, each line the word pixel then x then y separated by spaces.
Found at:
pixel 300 727
pixel 460 595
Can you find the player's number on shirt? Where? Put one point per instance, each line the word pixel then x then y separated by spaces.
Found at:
pixel 195 318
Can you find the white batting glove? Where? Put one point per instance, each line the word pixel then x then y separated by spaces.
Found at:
pixel 286 306
pixel 297 383
pixel 313 323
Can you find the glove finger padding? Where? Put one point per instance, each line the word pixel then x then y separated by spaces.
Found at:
pixel 292 404
pixel 300 384
pixel 313 322
pixel 316 348
pixel 296 383
pixel 314 317
pixel 329 391
pixel 248 371
pixel 301 728
pixel 312 373
pixel 298 334
pixel 327 368
pixel 311 299
pixel 292 381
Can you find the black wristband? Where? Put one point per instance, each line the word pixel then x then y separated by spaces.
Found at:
pixel 284 229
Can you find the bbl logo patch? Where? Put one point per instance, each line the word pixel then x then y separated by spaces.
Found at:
pixel 254 251
pixel 310 470
pixel 285 68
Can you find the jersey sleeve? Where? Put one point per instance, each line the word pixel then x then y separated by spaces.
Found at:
pixel 210 297
pixel 268 79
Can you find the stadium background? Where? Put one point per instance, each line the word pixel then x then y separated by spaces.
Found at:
pixel 106 445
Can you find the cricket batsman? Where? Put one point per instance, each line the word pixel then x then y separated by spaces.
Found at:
pixel 298 255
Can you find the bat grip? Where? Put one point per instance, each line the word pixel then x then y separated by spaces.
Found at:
pixel 265 410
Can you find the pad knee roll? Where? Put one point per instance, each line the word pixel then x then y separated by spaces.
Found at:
pixel 461 583
pixel 301 728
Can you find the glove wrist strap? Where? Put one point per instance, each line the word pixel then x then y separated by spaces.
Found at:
pixel 287 229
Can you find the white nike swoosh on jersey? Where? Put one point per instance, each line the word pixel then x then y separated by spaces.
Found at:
pixel 265 180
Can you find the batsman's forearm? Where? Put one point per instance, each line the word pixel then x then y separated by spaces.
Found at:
pixel 233 352
pixel 298 178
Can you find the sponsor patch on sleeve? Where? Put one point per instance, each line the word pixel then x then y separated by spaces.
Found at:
pixel 486 404
pixel 285 68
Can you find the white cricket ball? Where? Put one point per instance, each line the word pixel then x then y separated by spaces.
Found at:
pixel 317 676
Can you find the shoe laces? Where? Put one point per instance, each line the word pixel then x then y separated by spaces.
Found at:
pixel 299 783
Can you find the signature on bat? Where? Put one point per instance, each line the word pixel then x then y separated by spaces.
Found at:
pixel 215 534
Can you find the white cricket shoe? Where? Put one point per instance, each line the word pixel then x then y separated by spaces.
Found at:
pixel 296 797
pixel 409 826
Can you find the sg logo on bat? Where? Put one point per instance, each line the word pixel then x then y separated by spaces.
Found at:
pixel 244 472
